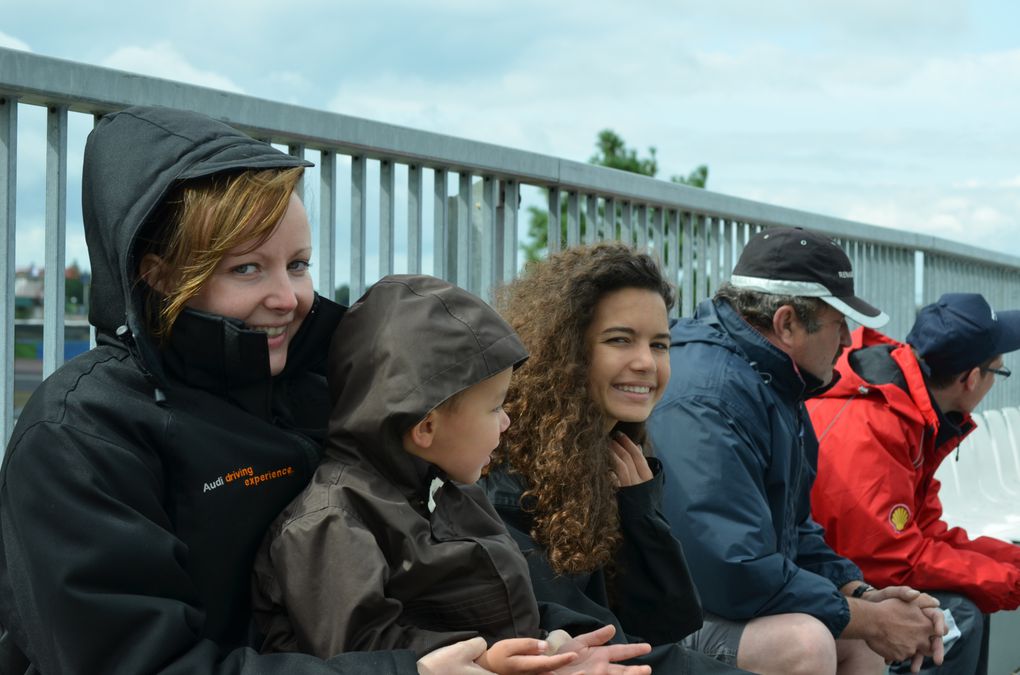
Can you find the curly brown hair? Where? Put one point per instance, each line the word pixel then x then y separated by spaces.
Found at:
pixel 557 441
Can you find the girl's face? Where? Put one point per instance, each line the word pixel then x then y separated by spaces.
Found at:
pixel 268 288
pixel 628 346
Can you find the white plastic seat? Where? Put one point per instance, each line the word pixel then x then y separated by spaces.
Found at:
pixel 1012 415
pixel 972 494
pixel 1001 480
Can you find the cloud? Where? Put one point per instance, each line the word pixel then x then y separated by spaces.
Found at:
pixel 983 222
pixel 162 60
pixel 12 42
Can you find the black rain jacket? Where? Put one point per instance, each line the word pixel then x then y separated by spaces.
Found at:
pixel 650 597
pixel 139 480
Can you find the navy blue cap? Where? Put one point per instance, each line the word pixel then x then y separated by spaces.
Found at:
pixel 961 331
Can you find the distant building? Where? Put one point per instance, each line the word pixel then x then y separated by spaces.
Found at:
pixel 29 291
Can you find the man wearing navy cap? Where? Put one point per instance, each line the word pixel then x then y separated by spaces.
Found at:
pixel 896 413
pixel 738 453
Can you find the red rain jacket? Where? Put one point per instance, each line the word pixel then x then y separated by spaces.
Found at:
pixel 876 494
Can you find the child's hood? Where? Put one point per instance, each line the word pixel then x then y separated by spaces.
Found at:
pixel 407 345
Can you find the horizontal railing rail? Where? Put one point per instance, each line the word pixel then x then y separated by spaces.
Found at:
pixel 392 189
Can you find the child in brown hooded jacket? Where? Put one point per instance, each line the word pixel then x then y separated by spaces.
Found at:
pixel 392 545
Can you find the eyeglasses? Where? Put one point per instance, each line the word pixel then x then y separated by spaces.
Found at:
pixel 1001 372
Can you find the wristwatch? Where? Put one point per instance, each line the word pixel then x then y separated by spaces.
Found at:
pixel 861 590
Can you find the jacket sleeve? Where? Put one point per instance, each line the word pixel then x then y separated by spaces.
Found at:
pixel 857 500
pixel 997 549
pixel 815 555
pixel 655 597
pixel 715 456
pixel 327 570
pixel 94 578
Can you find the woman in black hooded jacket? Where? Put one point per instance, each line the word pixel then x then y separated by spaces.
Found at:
pixel 141 475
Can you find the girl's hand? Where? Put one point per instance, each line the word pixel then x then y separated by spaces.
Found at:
pixel 594 657
pixel 629 463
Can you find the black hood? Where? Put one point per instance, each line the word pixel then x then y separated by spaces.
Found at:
pixel 407 345
pixel 132 159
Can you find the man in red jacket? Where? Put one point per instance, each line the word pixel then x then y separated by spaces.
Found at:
pixel 896 413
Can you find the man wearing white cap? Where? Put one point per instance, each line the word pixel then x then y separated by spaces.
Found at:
pixel 739 455
pixel 897 413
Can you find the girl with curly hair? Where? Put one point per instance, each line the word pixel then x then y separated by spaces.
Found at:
pixel 570 478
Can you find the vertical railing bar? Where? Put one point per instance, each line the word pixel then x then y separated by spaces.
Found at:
pixel 927 265
pixel 910 299
pixel 627 223
pixel 688 245
pixel 701 282
pixel 642 228
pixel 387 207
pixel 659 231
pixel 55 244
pixel 873 267
pixel 96 118
pixel 8 225
pixel 359 219
pixel 894 282
pixel 573 219
pixel 712 245
pixel 327 224
pixel 415 184
pixel 489 242
pixel 861 277
pixel 671 251
pixel 511 197
pixel 554 230
pixel 727 243
pixel 465 233
pixel 440 226
pixel 592 213
pixel 609 220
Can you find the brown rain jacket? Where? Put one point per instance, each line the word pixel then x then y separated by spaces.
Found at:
pixel 359 561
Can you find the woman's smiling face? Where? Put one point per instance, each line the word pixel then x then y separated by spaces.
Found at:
pixel 268 287
pixel 628 347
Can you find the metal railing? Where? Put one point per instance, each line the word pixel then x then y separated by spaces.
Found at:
pixel 404 188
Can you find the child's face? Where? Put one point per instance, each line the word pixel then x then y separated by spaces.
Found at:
pixel 628 344
pixel 468 429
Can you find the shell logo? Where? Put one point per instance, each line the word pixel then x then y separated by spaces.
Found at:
pixel 899 517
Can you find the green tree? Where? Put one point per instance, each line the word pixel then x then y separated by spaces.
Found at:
pixel 612 152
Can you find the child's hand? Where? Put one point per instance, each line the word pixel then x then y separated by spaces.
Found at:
pixel 594 657
pixel 523 656
pixel 456 659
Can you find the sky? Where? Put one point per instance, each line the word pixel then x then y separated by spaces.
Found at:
pixel 898 113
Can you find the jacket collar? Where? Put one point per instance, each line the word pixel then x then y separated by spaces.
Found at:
pixel 772 364
pixel 877 365
pixel 218 354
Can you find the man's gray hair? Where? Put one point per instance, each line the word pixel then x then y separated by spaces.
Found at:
pixel 759 308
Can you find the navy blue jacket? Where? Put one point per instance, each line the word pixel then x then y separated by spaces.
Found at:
pixel 739 455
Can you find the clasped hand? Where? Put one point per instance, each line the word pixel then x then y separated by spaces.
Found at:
pixel 915 626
